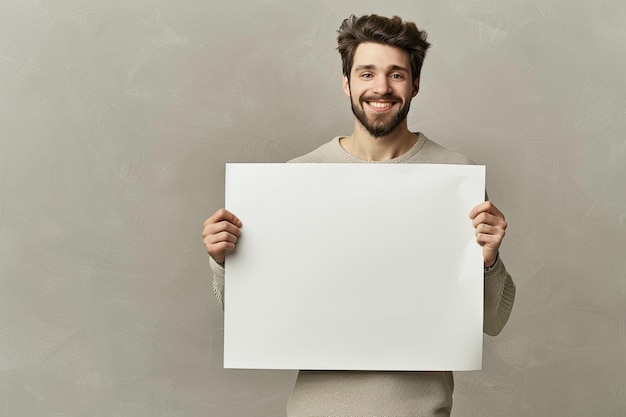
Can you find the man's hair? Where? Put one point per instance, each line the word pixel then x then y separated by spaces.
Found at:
pixel 387 31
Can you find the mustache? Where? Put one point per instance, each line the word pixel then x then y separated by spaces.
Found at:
pixel 389 97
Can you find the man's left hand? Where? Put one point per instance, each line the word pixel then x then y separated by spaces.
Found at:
pixel 489 225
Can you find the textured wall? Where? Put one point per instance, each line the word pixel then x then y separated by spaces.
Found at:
pixel 117 117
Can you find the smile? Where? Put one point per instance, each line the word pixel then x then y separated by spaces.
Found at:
pixel 380 105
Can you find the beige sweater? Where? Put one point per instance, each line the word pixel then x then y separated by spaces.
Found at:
pixel 397 394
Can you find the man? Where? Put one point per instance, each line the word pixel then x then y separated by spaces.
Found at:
pixel 382 60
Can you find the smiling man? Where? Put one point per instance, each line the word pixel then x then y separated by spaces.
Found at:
pixel 382 60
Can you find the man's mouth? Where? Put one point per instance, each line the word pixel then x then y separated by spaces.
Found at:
pixel 380 105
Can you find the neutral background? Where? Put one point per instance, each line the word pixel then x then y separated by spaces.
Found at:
pixel 117 117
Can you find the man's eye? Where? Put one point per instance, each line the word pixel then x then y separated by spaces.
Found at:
pixel 397 76
pixel 366 75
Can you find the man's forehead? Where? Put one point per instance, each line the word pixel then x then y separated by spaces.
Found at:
pixel 370 55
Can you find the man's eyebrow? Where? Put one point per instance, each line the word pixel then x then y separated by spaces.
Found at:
pixel 371 67
pixel 399 68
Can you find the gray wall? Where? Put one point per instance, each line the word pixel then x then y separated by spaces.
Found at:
pixel 117 117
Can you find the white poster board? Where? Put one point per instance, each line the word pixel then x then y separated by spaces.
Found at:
pixel 354 267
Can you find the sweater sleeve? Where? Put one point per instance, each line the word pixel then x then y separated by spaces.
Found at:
pixel 498 299
pixel 218 281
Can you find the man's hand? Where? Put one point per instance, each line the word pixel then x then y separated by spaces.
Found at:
pixel 220 234
pixel 490 226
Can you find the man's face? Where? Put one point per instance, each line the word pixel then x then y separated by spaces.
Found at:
pixel 380 87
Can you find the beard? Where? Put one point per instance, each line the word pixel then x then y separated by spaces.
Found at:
pixel 380 125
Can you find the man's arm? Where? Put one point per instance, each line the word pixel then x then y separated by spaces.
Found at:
pixel 498 298
pixel 218 281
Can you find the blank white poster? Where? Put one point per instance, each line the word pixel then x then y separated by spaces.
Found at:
pixel 354 267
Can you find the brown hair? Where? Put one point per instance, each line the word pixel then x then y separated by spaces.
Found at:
pixel 388 31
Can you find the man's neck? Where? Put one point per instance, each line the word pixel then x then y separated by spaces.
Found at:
pixel 364 146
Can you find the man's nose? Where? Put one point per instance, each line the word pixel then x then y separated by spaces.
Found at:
pixel 382 86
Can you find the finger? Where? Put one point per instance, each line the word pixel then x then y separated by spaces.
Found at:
pixel 486 207
pixel 222 226
pixel 491 225
pixel 223 215
pixel 217 249
pixel 487 229
pixel 220 237
pixel 489 219
pixel 491 240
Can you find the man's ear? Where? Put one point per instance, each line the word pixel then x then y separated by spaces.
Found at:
pixel 416 87
pixel 346 86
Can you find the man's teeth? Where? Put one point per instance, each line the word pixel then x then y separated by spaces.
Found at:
pixel 379 105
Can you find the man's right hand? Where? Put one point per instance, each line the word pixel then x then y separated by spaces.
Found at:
pixel 220 234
